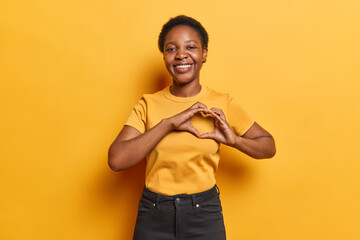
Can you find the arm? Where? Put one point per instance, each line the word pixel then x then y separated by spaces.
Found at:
pixel 131 146
pixel 256 142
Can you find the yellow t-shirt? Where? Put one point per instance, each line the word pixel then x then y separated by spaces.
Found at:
pixel 181 162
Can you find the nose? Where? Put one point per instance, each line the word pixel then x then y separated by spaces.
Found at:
pixel 181 54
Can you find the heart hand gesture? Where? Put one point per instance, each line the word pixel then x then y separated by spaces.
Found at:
pixel 182 121
pixel 222 131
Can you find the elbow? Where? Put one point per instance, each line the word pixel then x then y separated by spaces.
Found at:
pixel 270 150
pixel 115 169
pixel 119 160
pixel 113 161
pixel 113 166
pixel 269 153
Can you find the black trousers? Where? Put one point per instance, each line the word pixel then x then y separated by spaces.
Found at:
pixel 183 216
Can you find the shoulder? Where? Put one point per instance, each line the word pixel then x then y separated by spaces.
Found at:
pixel 154 96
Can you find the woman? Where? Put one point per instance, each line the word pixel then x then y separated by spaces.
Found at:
pixel 179 129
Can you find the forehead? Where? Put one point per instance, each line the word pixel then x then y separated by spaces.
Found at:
pixel 182 33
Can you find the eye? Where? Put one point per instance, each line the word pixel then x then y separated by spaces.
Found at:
pixel 191 47
pixel 170 49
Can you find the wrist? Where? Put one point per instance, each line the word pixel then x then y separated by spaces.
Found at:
pixel 167 124
pixel 236 142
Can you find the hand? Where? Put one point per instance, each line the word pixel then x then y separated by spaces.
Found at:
pixel 182 121
pixel 222 131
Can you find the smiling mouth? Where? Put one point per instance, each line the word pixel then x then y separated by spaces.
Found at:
pixel 182 66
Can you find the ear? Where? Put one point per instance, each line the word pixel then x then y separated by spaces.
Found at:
pixel 204 54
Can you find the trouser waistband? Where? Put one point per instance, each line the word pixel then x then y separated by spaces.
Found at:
pixel 195 198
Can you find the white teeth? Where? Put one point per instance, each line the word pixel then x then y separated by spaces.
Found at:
pixel 183 66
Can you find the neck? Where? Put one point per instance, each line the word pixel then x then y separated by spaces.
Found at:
pixel 187 90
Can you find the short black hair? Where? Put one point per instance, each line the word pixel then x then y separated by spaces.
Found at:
pixel 183 20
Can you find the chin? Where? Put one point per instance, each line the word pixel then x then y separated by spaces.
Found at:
pixel 183 80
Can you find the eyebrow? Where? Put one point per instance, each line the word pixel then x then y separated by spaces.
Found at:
pixel 185 42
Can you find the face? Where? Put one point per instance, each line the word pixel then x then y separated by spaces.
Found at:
pixel 183 54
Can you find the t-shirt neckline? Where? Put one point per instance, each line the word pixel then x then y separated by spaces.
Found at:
pixel 174 98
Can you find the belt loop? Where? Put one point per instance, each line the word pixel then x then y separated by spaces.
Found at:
pixel 193 200
pixel 157 200
pixel 217 189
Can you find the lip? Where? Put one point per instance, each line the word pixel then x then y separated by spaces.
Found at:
pixel 183 67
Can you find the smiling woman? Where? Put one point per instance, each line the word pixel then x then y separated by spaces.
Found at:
pixel 183 58
pixel 179 130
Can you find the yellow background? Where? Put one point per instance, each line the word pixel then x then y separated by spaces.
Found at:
pixel 71 71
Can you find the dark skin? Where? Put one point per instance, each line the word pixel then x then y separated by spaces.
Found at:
pixel 183 57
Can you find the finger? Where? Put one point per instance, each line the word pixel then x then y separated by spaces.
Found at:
pixel 194 131
pixel 208 135
pixel 221 123
pixel 186 115
pixel 193 111
pixel 205 113
pixel 199 105
pixel 219 112
pixel 217 116
pixel 211 135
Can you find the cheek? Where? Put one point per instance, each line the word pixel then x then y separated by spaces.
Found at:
pixel 167 62
pixel 168 58
pixel 168 65
pixel 197 56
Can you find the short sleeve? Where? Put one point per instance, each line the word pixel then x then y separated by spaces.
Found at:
pixel 137 117
pixel 239 120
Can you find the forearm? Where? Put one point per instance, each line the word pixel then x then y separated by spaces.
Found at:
pixel 258 148
pixel 127 153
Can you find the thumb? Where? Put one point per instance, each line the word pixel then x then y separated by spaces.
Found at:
pixel 208 135
pixel 191 129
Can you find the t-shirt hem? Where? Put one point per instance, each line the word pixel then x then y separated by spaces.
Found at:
pixel 247 127
pixel 136 127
